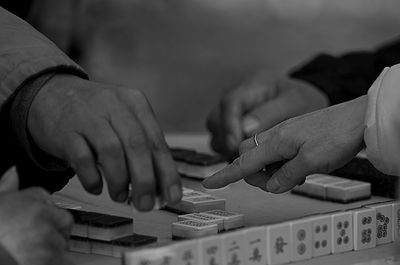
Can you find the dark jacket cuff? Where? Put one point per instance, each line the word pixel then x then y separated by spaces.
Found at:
pixel 19 114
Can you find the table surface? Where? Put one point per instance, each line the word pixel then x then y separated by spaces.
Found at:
pixel 259 208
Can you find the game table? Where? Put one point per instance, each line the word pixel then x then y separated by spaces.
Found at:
pixel 259 208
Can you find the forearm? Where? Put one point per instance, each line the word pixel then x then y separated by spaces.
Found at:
pixel 27 60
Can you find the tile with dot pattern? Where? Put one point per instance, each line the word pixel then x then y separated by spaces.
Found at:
pixel 342 232
pixel 364 227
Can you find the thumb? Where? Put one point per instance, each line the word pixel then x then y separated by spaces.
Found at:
pixel 290 174
pixel 9 182
pixel 268 114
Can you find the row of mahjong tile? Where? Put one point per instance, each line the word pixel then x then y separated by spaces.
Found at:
pixel 207 223
pixel 113 248
pixel 195 202
pixel 333 188
pixel 99 226
pixel 96 233
pixel 280 243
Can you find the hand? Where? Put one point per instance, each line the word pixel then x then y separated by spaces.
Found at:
pixel 33 231
pixel 258 104
pixel 105 131
pixel 318 142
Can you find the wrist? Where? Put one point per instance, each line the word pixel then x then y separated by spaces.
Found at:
pixel 316 96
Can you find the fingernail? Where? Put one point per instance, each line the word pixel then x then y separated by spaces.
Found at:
pixel 250 124
pixel 146 202
pixel 272 185
pixel 122 196
pixel 175 193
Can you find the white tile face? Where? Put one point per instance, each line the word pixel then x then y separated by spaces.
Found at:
pixel 211 250
pixel 301 239
pixel 384 223
pixel 396 221
pixel 322 236
pixel 318 188
pixel 279 249
pixel 348 191
pixel 233 249
pixel 187 253
pixel 231 220
pixel 342 232
pixel 193 229
pixel 165 256
pixel 364 227
pixel 79 245
pixel 255 241
pixel 305 187
pixel 203 218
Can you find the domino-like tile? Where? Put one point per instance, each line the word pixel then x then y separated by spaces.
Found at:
pixel 193 229
pixel 255 241
pixel 342 232
pixel 210 249
pixel 279 249
pixel 233 252
pixel 198 204
pixel 203 218
pixel 364 228
pixel 78 244
pixel 348 191
pixel 154 256
pixel 318 187
pixel 187 252
pixel 306 186
pixel 301 239
pixel 384 222
pixel 396 221
pixel 322 235
pixel 231 220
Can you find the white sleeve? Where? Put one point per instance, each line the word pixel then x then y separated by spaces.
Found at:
pixel 382 120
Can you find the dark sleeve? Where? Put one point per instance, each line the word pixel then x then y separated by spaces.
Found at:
pixel 34 166
pixel 349 76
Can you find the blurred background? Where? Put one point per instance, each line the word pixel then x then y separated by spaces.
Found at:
pixel 185 53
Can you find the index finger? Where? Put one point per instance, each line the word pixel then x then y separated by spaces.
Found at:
pixel 246 164
pixel 231 114
pixel 169 183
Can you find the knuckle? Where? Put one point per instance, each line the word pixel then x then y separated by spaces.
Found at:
pixel 82 159
pixel 110 146
pixel 244 146
pixel 158 144
pixel 138 143
pixel 282 132
pixel 309 161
